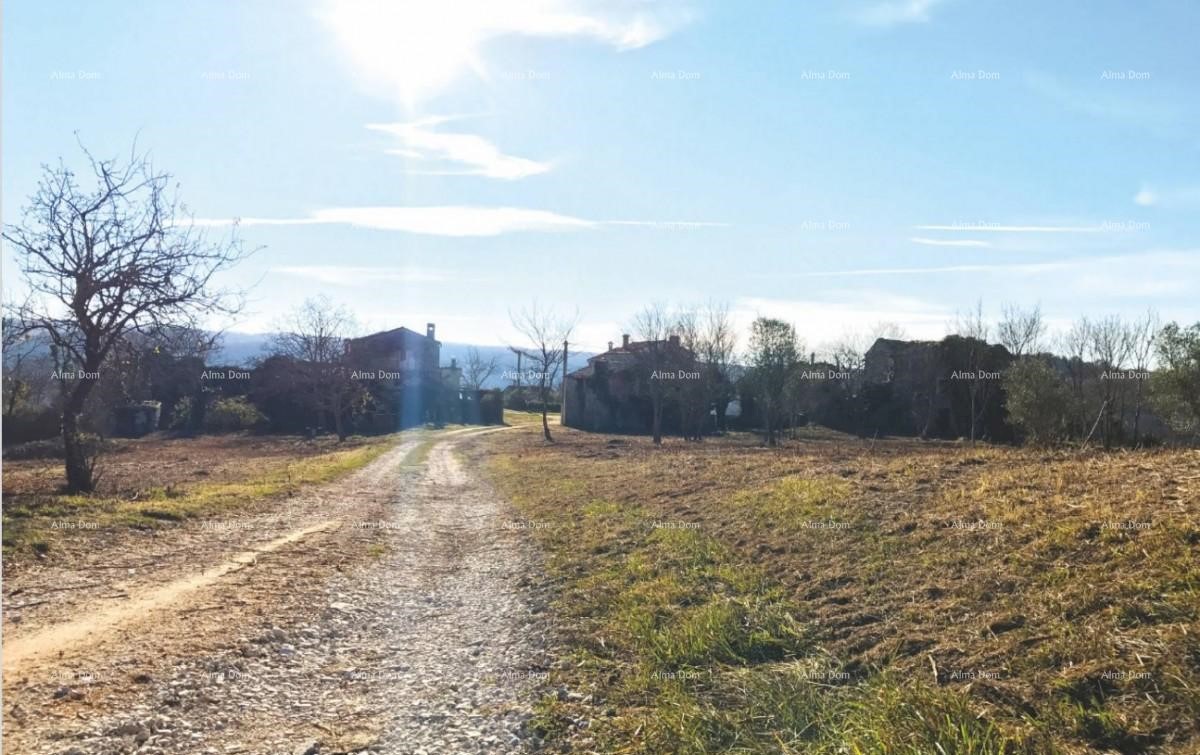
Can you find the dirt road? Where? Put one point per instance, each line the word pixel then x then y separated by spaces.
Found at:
pixel 389 612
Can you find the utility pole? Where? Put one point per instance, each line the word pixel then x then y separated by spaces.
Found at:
pixel 519 354
pixel 562 401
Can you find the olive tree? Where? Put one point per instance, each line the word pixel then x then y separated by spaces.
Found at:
pixel 774 354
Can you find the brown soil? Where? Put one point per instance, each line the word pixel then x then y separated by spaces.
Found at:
pixel 159 462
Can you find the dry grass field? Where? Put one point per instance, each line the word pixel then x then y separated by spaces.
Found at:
pixel 153 480
pixel 844 596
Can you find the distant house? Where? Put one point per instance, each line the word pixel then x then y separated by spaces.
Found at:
pixel 932 388
pixel 401 371
pixel 913 377
pixel 398 350
pixel 408 385
pixel 614 392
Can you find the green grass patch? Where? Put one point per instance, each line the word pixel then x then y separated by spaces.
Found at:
pixel 685 647
pixel 796 502
pixel 516 417
pixel 419 453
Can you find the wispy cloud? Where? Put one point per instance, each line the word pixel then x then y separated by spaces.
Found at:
pixel 948 242
pixel 337 275
pixel 471 154
pixel 1152 262
pixel 996 228
pixel 1032 267
pixel 1154 109
pixel 432 221
pixel 667 224
pixel 1146 197
pixel 457 221
pixel 410 51
pixel 893 12
pixel 1172 197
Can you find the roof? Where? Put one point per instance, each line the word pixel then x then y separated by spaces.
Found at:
pixel 397 336
pixel 899 343
pixel 623 357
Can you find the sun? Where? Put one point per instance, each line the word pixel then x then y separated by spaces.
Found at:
pixel 408 51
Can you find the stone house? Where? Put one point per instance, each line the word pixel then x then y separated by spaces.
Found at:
pixel 615 391
pixel 932 388
pixel 402 373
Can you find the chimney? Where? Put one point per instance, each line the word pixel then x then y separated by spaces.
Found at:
pixel 674 341
pixel 429 327
pixel 453 363
pixel 625 341
pixel 610 345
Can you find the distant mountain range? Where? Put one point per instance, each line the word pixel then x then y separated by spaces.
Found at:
pixel 244 349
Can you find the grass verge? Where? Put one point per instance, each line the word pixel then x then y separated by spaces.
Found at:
pixel 677 642
pixel 34 521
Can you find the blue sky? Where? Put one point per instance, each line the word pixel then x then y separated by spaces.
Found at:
pixel 831 163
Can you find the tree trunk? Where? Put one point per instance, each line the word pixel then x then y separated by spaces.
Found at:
pixel 14 393
pixel 336 409
pixel 545 419
pixel 972 417
pixel 338 425
pixel 75 457
pixel 1137 413
pixel 656 425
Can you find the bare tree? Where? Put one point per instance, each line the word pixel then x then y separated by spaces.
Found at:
pixel 138 369
pixel 849 351
pixel 478 369
pixel 1143 335
pixel 1110 349
pixel 716 348
pixel 654 358
pixel 1075 344
pixel 975 329
pixel 693 392
pixel 546 331
pixel 849 355
pixel 314 337
pixel 107 260
pixel 1021 331
pixel 887 329
pixel 25 361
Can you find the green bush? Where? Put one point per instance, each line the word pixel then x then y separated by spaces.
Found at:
pixel 181 414
pixel 1038 401
pixel 230 415
pixel 1176 384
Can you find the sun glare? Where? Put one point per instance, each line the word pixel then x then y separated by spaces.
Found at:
pixel 407 51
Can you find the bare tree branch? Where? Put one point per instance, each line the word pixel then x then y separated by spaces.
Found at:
pixel 100 262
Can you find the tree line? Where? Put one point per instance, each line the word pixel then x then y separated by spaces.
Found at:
pixel 119 280
pixel 1101 381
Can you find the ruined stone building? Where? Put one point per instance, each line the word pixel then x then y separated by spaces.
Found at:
pixel 932 388
pixel 613 393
